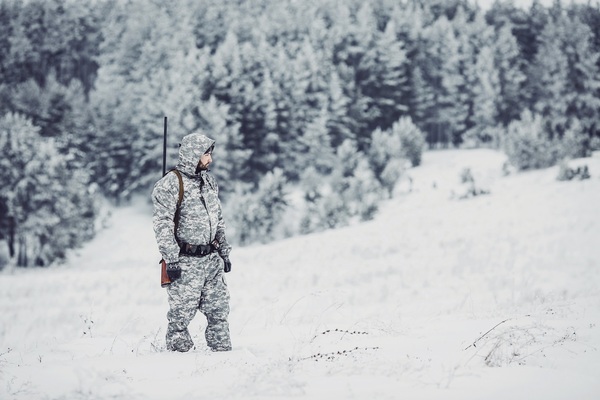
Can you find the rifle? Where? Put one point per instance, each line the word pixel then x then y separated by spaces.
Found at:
pixel 165 147
pixel 164 278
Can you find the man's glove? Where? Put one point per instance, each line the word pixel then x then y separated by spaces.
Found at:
pixel 227 263
pixel 173 271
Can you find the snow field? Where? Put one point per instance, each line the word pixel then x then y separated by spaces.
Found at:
pixel 394 308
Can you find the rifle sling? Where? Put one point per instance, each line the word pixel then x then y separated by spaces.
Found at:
pixel 179 200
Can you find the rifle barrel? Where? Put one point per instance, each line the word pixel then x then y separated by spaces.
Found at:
pixel 165 148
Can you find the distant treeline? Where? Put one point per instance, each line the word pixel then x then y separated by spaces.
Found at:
pixel 293 92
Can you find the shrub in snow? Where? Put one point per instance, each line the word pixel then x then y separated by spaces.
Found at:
pixel 391 174
pixel 508 169
pixel 255 216
pixel 324 213
pixel 412 139
pixel 350 192
pixel 469 188
pixel 322 209
pixel 529 146
pixel 386 158
pixel 390 150
pixel 361 193
pixel 514 341
pixel 575 143
pixel 566 173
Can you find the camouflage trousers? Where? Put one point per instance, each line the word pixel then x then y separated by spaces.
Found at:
pixel 201 287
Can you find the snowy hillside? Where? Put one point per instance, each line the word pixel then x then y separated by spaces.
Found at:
pixel 399 307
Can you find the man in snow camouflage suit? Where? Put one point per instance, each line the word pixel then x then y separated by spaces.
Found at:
pixel 197 255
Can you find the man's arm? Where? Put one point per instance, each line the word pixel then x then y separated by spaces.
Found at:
pixel 224 246
pixel 164 199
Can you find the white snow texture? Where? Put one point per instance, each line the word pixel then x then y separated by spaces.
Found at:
pixel 491 297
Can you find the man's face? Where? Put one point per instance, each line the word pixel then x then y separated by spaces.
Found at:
pixel 204 162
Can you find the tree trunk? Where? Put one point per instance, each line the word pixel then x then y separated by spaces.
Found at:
pixel 22 257
pixel 11 237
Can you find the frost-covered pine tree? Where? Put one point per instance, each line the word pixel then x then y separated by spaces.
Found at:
pixel 316 145
pixel 510 76
pixel 584 80
pixel 383 73
pixel 485 98
pixel 442 71
pixel 47 208
pixel 549 80
pixel 258 216
pixel 339 124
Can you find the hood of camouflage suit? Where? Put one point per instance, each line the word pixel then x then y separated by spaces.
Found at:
pixel 192 147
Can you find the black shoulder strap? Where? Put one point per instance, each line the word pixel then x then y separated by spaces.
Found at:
pixel 179 200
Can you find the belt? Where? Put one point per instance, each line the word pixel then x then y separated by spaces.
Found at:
pixel 198 250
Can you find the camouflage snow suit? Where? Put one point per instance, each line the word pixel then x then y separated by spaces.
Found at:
pixel 202 284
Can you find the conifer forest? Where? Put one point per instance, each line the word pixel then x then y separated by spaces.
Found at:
pixel 316 106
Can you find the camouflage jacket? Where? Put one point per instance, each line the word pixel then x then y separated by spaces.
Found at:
pixel 201 219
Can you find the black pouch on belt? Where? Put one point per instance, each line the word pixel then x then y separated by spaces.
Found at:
pixel 196 250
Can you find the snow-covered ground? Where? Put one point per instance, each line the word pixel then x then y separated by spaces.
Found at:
pixel 399 307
